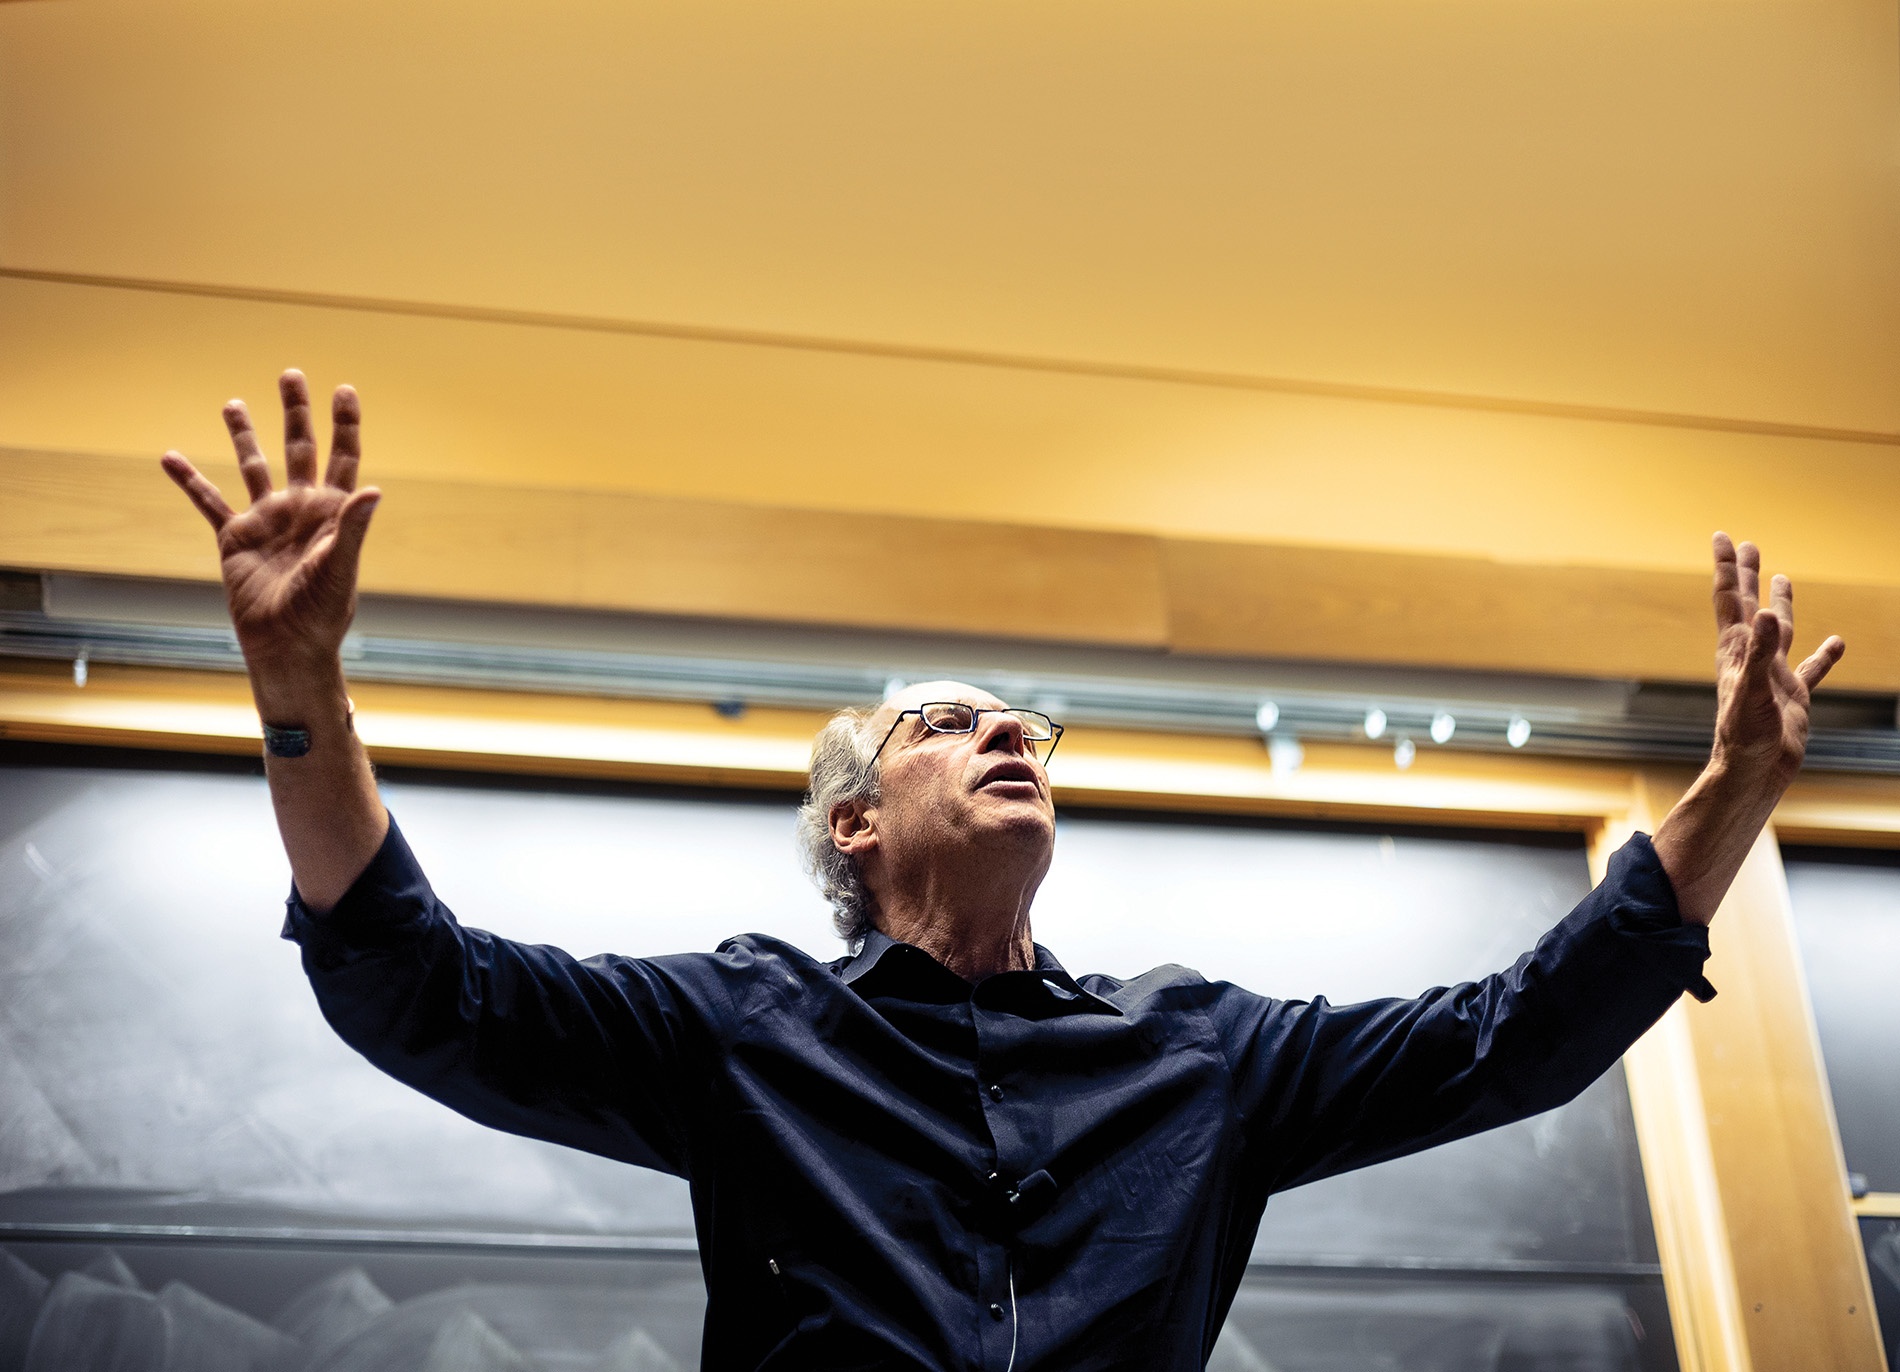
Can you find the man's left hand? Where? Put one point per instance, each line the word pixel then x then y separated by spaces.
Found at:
pixel 1761 733
pixel 1761 712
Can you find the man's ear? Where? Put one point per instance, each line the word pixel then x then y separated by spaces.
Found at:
pixel 853 827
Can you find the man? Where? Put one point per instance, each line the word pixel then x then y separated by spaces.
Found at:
pixel 944 1151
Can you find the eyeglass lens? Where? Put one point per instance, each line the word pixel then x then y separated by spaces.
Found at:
pixel 954 717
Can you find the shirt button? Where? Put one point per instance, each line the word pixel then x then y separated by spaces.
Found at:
pixel 996 1093
pixel 996 1312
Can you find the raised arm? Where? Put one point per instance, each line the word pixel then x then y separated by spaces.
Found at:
pixel 1325 1088
pixel 1761 733
pixel 289 564
pixel 1328 1088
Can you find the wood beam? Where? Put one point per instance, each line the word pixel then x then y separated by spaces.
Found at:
pixel 1346 604
pixel 612 550
pixel 609 550
pixel 1761 1255
pixel 1841 811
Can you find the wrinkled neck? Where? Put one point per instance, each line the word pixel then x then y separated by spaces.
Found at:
pixel 976 924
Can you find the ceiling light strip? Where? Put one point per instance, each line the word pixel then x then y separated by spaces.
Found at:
pixel 1119 702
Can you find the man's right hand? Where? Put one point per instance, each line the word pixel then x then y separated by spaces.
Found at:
pixel 290 561
pixel 289 565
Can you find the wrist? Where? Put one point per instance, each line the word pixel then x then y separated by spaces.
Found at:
pixel 306 694
pixel 1738 777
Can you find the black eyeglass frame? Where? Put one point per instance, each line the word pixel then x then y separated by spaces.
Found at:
pixel 976 713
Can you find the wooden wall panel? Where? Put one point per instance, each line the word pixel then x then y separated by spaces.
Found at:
pixel 72 512
pixel 1348 605
pixel 604 550
pixel 870 571
pixel 653 554
pixel 1867 616
pixel 433 538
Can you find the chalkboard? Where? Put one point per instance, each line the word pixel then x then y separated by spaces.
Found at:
pixel 1847 918
pixel 163 1066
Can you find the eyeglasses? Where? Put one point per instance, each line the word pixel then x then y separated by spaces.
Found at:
pixel 954 717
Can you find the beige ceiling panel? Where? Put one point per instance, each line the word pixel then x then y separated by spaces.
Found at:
pixel 1669 205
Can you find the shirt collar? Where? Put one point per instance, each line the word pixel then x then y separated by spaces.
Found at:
pixel 876 944
pixel 1052 981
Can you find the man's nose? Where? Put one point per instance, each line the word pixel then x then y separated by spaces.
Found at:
pixel 997 729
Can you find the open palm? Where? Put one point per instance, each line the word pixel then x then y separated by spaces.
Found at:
pixel 1762 704
pixel 290 561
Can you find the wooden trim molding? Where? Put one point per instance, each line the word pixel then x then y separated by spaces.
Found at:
pixel 1841 811
pixel 75 512
pixel 1883 1205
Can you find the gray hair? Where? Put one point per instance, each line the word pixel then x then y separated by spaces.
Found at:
pixel 843 769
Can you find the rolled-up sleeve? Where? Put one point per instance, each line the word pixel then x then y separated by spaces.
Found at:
pixel 602 1054
pixel 1323 1089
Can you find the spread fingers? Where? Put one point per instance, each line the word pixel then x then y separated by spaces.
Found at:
pixel 198 489
pixel 1728 582
pixel 251 461
pixel 346 438
pixel 1748 578
pixel 300 439
pixel 1821 663
pixel 1781 600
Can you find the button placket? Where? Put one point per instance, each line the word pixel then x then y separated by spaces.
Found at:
pixel 992 1331
pixel 1000 1185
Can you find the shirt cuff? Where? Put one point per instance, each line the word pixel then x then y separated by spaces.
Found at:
pixel 1645 908
pixel 387 905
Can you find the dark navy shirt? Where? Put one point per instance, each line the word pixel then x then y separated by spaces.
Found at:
pixel 894 1168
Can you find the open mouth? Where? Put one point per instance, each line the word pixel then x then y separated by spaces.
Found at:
pixel 1011 774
